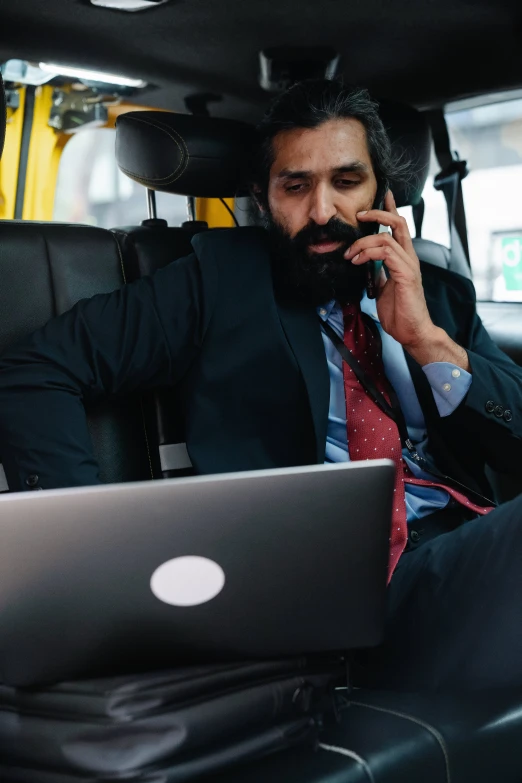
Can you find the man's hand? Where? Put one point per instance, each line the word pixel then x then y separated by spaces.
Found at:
pixel 401 305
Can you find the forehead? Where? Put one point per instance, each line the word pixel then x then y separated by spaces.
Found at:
pixel 329 146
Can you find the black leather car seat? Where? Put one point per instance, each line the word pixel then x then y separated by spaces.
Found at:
pixel 45 268
pixel 406 738
pixel 188 156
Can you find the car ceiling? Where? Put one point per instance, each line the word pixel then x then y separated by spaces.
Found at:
pixel 424 52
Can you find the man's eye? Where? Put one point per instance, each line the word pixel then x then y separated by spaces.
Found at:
pixel 295 188
pixel 347 183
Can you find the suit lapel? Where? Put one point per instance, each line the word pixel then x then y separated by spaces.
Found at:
pixel 301 327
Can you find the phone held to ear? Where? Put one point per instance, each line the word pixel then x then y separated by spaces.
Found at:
pixel 373 273
pixel 373 268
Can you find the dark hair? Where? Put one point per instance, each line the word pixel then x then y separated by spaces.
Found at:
pixel 308 104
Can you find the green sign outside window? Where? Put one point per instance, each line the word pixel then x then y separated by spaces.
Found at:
pixel 511 253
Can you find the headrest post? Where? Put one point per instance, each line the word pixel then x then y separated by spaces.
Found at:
pixel 191 208
pixel 151 204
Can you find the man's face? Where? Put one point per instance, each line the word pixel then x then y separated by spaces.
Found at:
pixel 319 180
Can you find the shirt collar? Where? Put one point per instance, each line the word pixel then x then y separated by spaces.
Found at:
pixel 325 311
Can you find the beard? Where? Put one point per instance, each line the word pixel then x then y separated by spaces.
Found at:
pixel 316 278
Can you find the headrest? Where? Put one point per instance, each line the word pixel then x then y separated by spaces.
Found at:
pixel 207 156
pixel 182 153
pixel 410 136
pixel 3 115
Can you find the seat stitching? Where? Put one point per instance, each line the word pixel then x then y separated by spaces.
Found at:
pixel 174 175
pixel 168 131
pixel 435 733
pixel 159 126
pixel 121 257
pixel 149 181
pixel 51 275
pixel 164 180
pixel 141 401
pixel 349 754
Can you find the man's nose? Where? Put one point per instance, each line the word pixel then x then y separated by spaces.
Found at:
pixel 322 207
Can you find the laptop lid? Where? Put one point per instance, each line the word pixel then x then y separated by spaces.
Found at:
pixel 139 576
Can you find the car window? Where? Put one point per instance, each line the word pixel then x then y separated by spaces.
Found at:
pixel 91 189
pixel 489 137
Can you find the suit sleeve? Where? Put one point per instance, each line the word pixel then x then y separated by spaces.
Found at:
pixel 491 412
pixel 143 335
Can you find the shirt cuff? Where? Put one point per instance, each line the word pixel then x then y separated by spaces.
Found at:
pixel 449 383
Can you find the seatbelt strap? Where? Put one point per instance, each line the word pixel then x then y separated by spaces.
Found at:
pixel 449 181
pixel 418 217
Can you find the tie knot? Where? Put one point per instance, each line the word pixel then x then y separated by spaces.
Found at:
pixel 351 309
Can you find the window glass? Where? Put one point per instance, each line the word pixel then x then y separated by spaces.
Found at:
pixel 91 189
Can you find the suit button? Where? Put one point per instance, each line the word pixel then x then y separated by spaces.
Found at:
pixel 32 481
pixel 507 415
pixel 499 411
pixel 490 406
pixel 414 536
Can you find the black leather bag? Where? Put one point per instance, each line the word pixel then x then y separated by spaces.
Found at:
pixel 163 727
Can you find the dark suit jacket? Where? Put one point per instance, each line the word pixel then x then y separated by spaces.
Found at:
pixel 251 372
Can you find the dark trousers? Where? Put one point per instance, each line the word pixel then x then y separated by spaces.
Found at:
pixel 454 607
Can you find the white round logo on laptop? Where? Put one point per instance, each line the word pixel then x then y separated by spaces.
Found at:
pixel 187 581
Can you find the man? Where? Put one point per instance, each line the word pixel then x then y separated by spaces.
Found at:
pixel 281 359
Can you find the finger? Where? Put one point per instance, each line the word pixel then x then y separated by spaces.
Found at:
pixel 396 222
pixel 389 203
pixel 396 263
pixel 380 241
pixel 372 240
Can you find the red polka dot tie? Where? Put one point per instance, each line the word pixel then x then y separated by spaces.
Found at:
pixel 372 434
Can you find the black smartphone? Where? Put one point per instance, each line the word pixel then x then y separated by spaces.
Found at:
pixel 372 278
pixel 373 268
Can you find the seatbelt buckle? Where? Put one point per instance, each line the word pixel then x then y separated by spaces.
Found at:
pixel 414 454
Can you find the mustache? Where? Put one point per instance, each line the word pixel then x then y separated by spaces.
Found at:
pixel 302 275
pixel 334 231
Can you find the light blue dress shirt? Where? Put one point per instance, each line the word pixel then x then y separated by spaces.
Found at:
pixel 449 383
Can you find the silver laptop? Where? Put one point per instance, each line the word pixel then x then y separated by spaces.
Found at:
pixel 259 564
